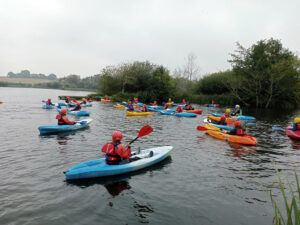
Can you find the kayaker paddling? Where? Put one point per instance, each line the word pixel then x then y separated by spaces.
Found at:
pixel 77 107
pixel 227 113
pixel 63 119
pixel 296 124
pixel 237 111
pixel 116 151
pixel 222 121
pixel 179 109
pixel 238 130
pixel 49 102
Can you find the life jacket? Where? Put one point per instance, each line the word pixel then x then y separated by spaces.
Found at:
pixel 144 109
pixel 179 110
pixel 67 101
pixel 298 126
pixel 83 102
pixel 61 120
pixel 240 132
pixel 166 106
pixel 221 122
pixel 111 157
pixel 189 107
pixel 48 103
pixel 227 115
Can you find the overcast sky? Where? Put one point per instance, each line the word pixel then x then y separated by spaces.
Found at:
pixel 81 37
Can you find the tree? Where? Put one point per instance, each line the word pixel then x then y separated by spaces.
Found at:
pixel 191 69
pixel 264 75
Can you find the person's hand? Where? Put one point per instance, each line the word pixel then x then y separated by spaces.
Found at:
pixel 129 145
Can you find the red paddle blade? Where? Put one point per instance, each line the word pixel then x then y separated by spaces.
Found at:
pixel 108 147
pixel 145 130
pixel 201 128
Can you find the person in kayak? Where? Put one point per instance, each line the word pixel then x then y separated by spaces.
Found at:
pixel 237 111
pixel 49 102
pixel 227 113
pixel 154 103
pixel 170 101
pixel 77 107
pixel 222 121
pixel 83 101
pixel 116 151
pixel 212 102
pixel 106 97
pixel 237 130
pixel 144 109
pixel 188 106
pixel 135 100
pixel 179 109
pixel 296 124
pixel 183 102
pixel 166 106
pixel 68 100
pixel 129 106
pixel 89 99
pixel 63 119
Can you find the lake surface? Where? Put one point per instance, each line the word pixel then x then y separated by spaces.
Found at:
pixel 205 181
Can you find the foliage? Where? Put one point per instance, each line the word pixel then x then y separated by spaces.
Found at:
pixel 265 75
pixel 147 81
pixel 292 208
pixel 27 74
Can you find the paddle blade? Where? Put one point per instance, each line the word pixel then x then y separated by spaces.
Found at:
pixel 277 128
pixel 200 128
pixel 145 130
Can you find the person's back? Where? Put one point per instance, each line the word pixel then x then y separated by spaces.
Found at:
pixel 237 129
pixel 144 109
pixel 116 151
pixel 129 106
pixel 62 118
pixel 179 109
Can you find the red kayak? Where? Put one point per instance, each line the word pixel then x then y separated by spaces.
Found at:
pixel 197 111
pixel 292 134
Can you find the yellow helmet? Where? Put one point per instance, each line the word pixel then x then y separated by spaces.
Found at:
pixel 228 110
pixel 83 99
pixel 297 120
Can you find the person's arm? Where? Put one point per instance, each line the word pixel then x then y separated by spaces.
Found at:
pixel 294 128
pixel 124 152
pixel 67 121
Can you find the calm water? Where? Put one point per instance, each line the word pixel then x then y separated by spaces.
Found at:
pixel 205 181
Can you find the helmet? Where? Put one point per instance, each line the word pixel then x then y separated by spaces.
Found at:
pixel 49 99
pixel 237 106
pixel 117 135
pixel 83 99
pixel 223 118
pixel 228 110
pixel 237 124
pixel 77 103
pixel 179 106
pixel 297 120
pixel 145 105
pixel 68 97
pixel 129 102
pixel 63 111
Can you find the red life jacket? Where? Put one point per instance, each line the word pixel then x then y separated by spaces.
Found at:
pixel 47 103
pixel 227 115
pixel 298 126
pixel 189 107
pixel 60 120
pixel 111 157
pixel 240 132
pixel 144 109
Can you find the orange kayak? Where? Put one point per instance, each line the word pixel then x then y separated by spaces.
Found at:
pixel 245 140
pixel 103 100
pixel 119 106
pixel 197 111
pixel 217 118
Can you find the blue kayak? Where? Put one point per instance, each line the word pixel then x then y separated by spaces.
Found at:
pixel 47 106
pixel 239 117
pixel 155 107
pixel 212 105
pixel 76 113
pixel 87 105
pixel 99 168
pixel 61 104
pixel 224 127
pixel 173 113
pixel 52 129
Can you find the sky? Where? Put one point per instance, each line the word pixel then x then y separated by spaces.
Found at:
pixel 83 36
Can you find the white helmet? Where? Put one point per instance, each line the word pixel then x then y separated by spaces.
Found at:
pixel 237 106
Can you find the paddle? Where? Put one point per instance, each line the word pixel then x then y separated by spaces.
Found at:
pixel 201 128
pixel 277 128
pixel 145 130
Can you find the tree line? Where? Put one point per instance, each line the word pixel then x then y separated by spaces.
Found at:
pixel 265 75
pixel 27 74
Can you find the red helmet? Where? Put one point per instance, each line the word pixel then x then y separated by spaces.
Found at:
pixel 223 118
pixel 117 135
pixel 49 99
pixel 77 103
pixel 68 97
pixel 237 124
pixel 145 105
pixel 129 102
pixel 63 111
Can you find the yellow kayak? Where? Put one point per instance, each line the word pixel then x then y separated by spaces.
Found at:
pixel 138 113
pixel 211 127
pixel 119 106
pixel 217 118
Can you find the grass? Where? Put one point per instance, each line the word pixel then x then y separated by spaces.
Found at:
pixel 291 203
